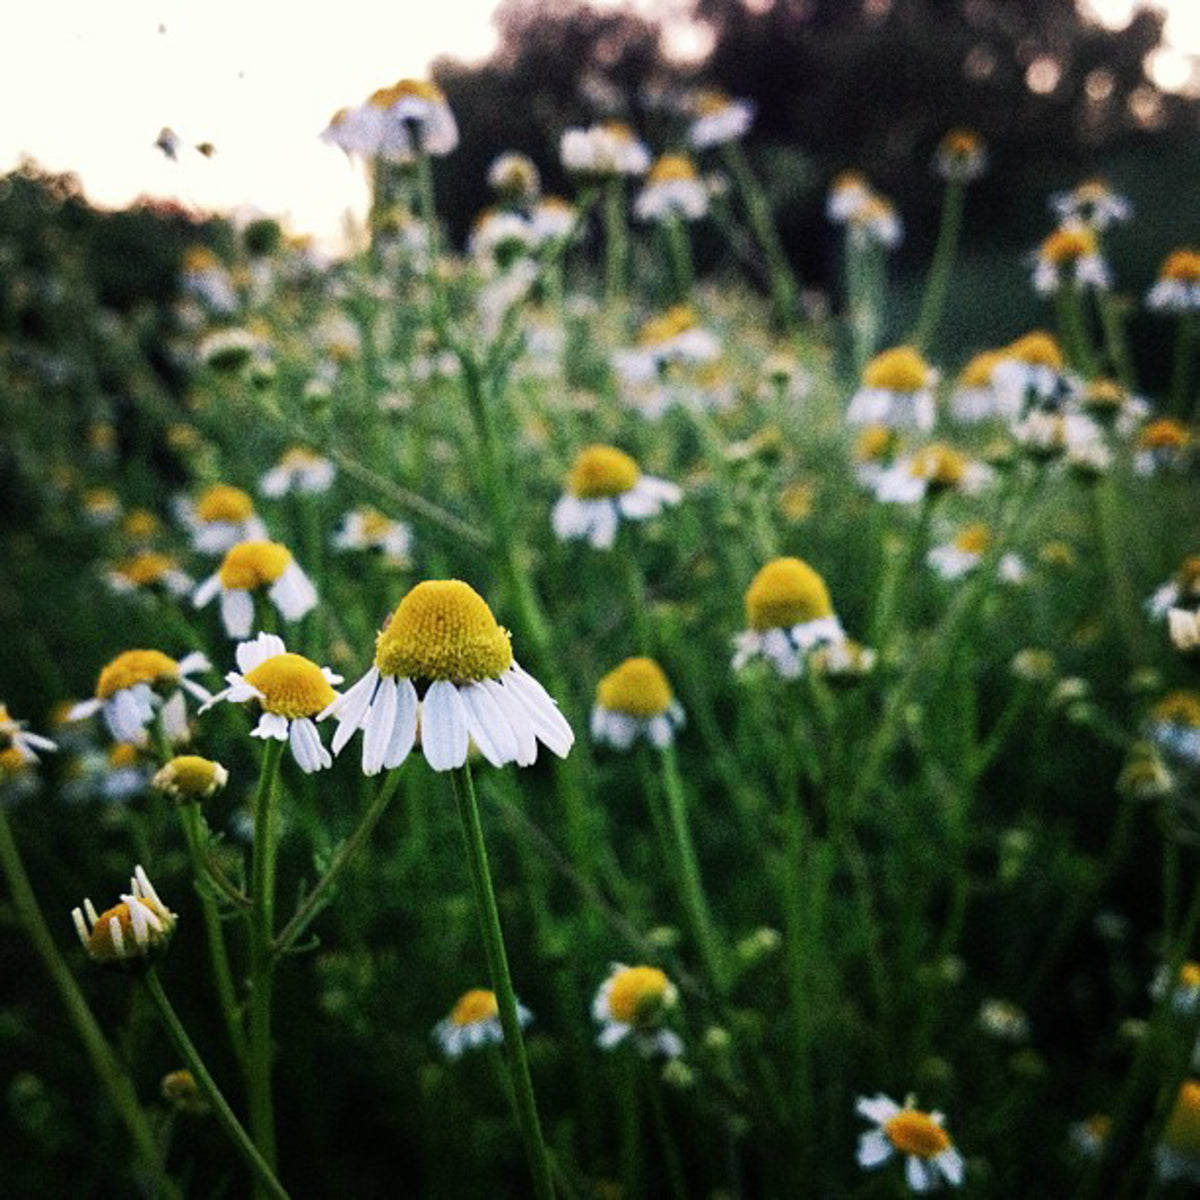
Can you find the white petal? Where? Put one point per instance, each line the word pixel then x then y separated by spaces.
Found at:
pixel 518 722
pixel 174 718
pixel 873 1149
pixel 255 652
pixel 660 731
pixel 84 709
pixel 603 526
pixel 878 1108
pixel 237 613
pixel 920 1175
pixel 613 1034
pixel 271 725
pixel 951 1165
pixel 189 664
pixel 377 728
pixel 404 727
pixel 307 750
pixel 443 727
pixel 293 593
pixel 549 724
pixel 207 590
pixel 488 726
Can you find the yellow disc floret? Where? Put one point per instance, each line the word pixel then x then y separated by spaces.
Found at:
pixel 973 538
pixel 672 168
pixel 135 937
pixel 1036 349
pixel 478 1004
pixel 190 778
pixel 873 443
pixel 145 568
pixel 291 686
pixel 221 502
pixel 443 629
pixel 978 372
pixel 134 667
pixel 1164 434
pixel 250 565
pixel 901 369
pixel 961 143
pixel 939 465
pixel 917 1133
pixel 637 687
pixel 407 89
pixel 637 995
pixel 667 325
pixel 1068 245
pixel 786 592
pixel 1181 266
pixel 600 471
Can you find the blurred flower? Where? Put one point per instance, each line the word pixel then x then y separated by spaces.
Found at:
pixel 1092 204
pixel 290 689
pixel 1030 373
pixel 961 156
pixel 474 1021
pixel 1003 1020
pixel 1089 1135
pixel 298 470
pixel 395 122
pixel 1174 725
pixel 843 660
pixel 515 177
pixel 632 1003
pixel 180 1091
pixel 18 746
pixel 1177 1155
pixel 1177 289
pixel 219 518
pixel 1182 588
pixel 672 189
pixel 188 778
pixel 1144 775
pixel 368 529
pixel 101 506
pixel 444 639
pixel 635 700
pixel 607 149
pixel 848 193
pixel 932 470
pixel 875 223
pixel 250 567
pixel 552 218
pixel 1184 994
pixel 1070 254
pixel 930 1156
pixel 1032 665
pixel 605 485
pixel 896 392
pixel 498 236
pixel 973 398
pixel 1184 628
pixel 133 931
pixel 1164 444
pixel 1070 436
pixel 963 553
pixel 717 119
pixel 205 278
pixel 231 349
pixel 149 569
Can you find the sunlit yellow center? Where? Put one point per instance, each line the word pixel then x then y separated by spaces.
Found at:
pixel 873 208
pixel 291 686
pixel 786 592
pixel 848 181
pixel 11 759
pixel 407 89
pixel 914 1132
pixel 100 500
pixel 200 258
pixel 251 565
pixel 297 458
pixel 637 687
pixel 1104 395
pixel 1036 349
pixel 973 538
pixel 638 994
pixel 1163 434
pixel 601 471
pixel 476 1005
pixel 901 369
pixel 443 629
pixel 1182 265
pixel 191 775
pixel 133 667
pixel 672 168
pixel 1182 1132
pixel 667 325
pixel 145 568
pixel 374 524
pixel 710 102
pixel 618 130
pixel 1068 245
pixel 1188 575
pixel 223 503
pixel 978 372
pixel 1098 1126
pixel 1179 708
pixel 939 465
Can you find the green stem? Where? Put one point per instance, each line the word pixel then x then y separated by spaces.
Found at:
pixel 1072 329
pixel 635 584
pixel 1181 367
pixel 104 1062
pixel 1116 344
pixel 680 253
pixel 315 900
pixel 264 1177
pixel 616 244
pixel 898 574
pixel 670 1152
pixel 262 959
pixel 937 284
pixel 1105 500
pixel 493 940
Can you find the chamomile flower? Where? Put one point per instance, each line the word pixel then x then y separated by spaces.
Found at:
pixel 250 567
pixel 1079 441
pixel 290 689
pixel 1174 725
pixel 631 1004
pixel 1177 289
pixel 499 236
pixel 605 486
pixel 718 119
pixel 1177 1156
pixel 1031 373
pixel 932 470
pixel 205 278
pixel 298 470
pixel 219 518
pixel 875 222
pixel 961 156
pixel 515 177
pixel 1093 205
pixel 789 613
pixel 17 744
pixel 1069 255
pixel 1184 993
pixel 188 779
pixel 232 348
pixel 551 219
pixel 848 193
pixel 1164 444
pixel 962 554
pixel 132 932
pixel 973 398
pixel 896 392
pixel 1089 1135
pixel 369 529
pixel 395 122
pixel 930 1155
pixel 1182 588
pixel 139 685
pixel 635 700
pixel 474 1021
pixel 672 189
pixel 101 506
pixel 605 150
pixel 443 661
pixel 146 571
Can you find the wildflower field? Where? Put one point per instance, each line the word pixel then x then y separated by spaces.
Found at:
pixel 573 727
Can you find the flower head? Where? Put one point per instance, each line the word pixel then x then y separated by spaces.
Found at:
pixel 717 119
pixel 188 779
pixel 369 529
pixel 1161 444
pixel 515 177
pixel 875 223
pixel 1070 254
pixel 250 567
pixel 220 517
pixel 961 156
pixel 633 1002
pixel 929 1153
pixel 635 700
pixel 1093 204
pixel 672 189
pixel 132 932
pixel 395 123
pixel 148 569
pixel 608 149
pixel 848 194
pixel 932 470
pixel 19 747
pixel 1177 288
pixel 443 661
pixel 896 392
pixel 1177 1156
pixel 474 1021
pixel 1175 725
pixel 1182 588
pixel 298 470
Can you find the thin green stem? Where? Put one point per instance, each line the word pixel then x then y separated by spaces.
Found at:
pixel 898 574
pixel 1073 330
pixel 677 1185
pixel 493 940
pixel 616 244
pixel 679 251
pixel 1116 344
pixel 1106 507
pixel 1181 366
pixel 264 1176
pixel 635 586
pixel 937 285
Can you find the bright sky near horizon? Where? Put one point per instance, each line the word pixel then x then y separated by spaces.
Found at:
pixel 87 85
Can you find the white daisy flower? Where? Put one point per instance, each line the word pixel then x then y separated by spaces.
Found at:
pixel 631 1004
pixel 718 119
pixel 875 222
pixel 369 529
pixel 607 149
pixel 148 570
pixel 516 176
pixel 247 568
pixel 1184 993
pixel 474 1021
pixel 1093 205
pixel 930 1156
pixel 498 236
pixel 1164 444
pixel 963 554
pixel 132 931
pixel 1177 1155
pixel 961 156
pixel 1184 629
pixel 604 486
pixel 635 700
pixel 1177 289
pixel 393 120
pixel 219 518
pixel 1174 725
pixel 298 470
pixel 1069 254
pixel 848 193
pixel 974 398
pixel 789 613
pixel 1182 588
pixel 552 218
pixel 443 663
pixel 672 189
pixel 18 744
pixel 896 392
pixel 290 689
pixel 138 685
pixel 205 277
pixel 932 470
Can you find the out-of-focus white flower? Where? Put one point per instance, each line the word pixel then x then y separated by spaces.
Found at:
pixel 1093 204
pixel 395 122
pixel 608 149
pixel 896 392
pixel 1069 255
pixel 631 1004
pixel 298 470
pixel 930 1155
pixel 1177 289
pixel 718 119
pixel 474 1021
pixel 961 156
pixel 635 700
pixel 672 189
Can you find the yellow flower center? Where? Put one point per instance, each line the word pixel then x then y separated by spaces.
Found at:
pixel 978 372
pixel 140 525
pixel 145 568
pixel 796 500
pixel 374 524
pixel 917 1133
pixel 961 143
pixel 100 501
pixel 122 754
pixel 618 130
pixel 847 181
pixel 600 471
pixel 1164 434
pixel 443 629
pixel 901 369
pixel 873 443
pixel 476 1005
pixel 939 465
pixel 637 687
pixel 1068 245
pixel 1098 1126
pixel 638 994
pixel 667 325
pixel 710 102
pixel 1058 554
pixel 1036 349
pixel 1189 975
pixel 250 565
pixel 100 942
pixel 1182 265
pixel 1188 575
pixel 1179 708
pixel 223 503
pixel 672 168
pixel 873 208
pixel 291 686
pixel 189 775
pixel 407 89
pixel 133 667
pixel 11 760
pixel 1104 395
pixel 296 458
pixel 786 592
pixel 1182 1130
pixel 200 258
pixel 973 538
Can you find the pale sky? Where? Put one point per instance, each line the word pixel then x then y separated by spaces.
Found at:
pixel 87 84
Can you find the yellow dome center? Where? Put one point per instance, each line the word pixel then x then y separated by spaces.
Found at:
pixel 100 941
pixel 1188 576
pixel 913 1132
pixel 145 568
pixel 1182 1132
pixel 191 775
pixel 978 372
pixel 938 465
pixel 11 760
pixel 291 686
pixel 961 143
pixel 476 1005
pixel 123 754
pixel 200 258
pixel 710 102
pixel 1068 245
pixel 223 503
pixel 297 458
pixel 1182 266
pixel 250 565
pixel 637 687
pixel 140 525
pixel 1163 434
pixel 407 89
pixel 618 130
pixel 786 592
pixel 600 471
pixel 1036 349
pixel 443 629
pixel 874 442
pixel 1104 395
pixel 672 168
pixel 668 325
pixel 1189 975
pixel 638 994
pixel 973 538
pixel 133 667
pixel 1179 708
pixel 901 369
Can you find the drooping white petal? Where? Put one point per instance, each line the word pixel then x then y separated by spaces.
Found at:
pixel 237 612
pixel 84 709
pixel 307 750
pixel 549 724
pixel 488 726
pixel 878 1108
pixel 207 590
pixel 921 1177
pixel 443 727
pixel 293 593
pixel 518 722
pixel 604 524
pixel 873 1149
pixel 950 1163
pixel 174 718
pixel 404 727
pixel 377 727
pixel 613 1034
pixel 271 725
